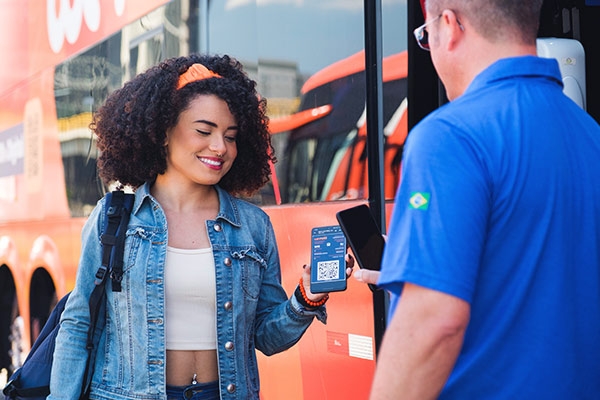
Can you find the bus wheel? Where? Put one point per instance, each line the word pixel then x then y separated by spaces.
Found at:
pixel 42 299
pixel 11 324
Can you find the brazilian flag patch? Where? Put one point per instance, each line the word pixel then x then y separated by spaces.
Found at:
pixel 419 200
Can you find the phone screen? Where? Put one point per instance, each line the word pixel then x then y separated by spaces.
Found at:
pixel 328 263
pixel 363 235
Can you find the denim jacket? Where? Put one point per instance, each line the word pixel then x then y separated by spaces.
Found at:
pixel 253 310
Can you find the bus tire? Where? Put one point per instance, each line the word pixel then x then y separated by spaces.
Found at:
pixel 11 324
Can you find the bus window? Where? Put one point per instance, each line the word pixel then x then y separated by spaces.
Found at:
pixel 83 82
pixel 325 157
pixel 299 51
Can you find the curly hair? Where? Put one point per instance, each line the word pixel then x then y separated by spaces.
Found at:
pixel 131 125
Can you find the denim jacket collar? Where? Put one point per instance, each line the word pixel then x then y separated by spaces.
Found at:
pixel 227 207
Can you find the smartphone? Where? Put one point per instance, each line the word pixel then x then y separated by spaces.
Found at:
pixel 364 237
pixel 328 260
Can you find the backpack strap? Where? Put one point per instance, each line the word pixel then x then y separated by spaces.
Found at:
pixel 117 218
pixel 118 212
pixel 126 203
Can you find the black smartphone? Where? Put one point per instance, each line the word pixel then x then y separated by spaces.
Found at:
pixel 328 259
pixel 364 237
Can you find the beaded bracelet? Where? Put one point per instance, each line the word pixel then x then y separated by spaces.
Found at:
pixel 300 294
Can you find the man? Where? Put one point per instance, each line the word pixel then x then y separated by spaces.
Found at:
pixel 493 253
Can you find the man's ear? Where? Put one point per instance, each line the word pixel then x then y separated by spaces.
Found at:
pixel 454 29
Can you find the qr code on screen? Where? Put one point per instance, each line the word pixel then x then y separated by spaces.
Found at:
pixel 328 270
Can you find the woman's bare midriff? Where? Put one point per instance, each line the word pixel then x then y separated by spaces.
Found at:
pixel 183 364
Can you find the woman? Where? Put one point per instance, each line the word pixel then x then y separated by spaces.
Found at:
pixel 201 285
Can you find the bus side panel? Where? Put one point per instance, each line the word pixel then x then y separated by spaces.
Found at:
pixel 34 214
pixel 333 361
pixel 33 188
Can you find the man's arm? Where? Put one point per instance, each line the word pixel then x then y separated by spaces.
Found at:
pixel 420 345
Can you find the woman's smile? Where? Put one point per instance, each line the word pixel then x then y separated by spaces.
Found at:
pixel 212 162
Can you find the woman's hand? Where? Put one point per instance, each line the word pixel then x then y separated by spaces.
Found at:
pixel 316 297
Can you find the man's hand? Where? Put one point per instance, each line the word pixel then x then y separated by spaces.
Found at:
pixel 367 276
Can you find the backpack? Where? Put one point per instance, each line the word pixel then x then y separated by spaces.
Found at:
pixel 32 380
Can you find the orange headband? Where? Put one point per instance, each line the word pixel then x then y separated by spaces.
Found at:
pixel 195 73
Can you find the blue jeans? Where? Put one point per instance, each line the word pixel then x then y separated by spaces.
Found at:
pixel 199 391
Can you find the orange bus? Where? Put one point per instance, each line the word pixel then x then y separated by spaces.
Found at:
pixel 63 58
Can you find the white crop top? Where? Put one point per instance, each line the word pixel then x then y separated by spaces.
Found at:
pixel 190 296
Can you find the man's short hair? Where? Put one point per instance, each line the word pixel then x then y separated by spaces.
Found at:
pixel 496 20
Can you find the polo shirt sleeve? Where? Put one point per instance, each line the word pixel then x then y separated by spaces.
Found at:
pixel 440 216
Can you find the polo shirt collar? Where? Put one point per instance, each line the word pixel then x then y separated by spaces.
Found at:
pixel 517 67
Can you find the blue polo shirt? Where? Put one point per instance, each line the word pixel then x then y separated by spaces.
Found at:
pixel 499 205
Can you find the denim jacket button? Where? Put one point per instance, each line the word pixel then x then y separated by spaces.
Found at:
pixel 229 346
pixel 217 227
pixel 231 388
pixel 228 305
pixel 227 261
